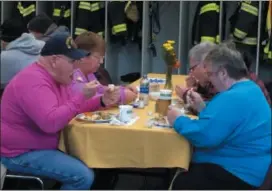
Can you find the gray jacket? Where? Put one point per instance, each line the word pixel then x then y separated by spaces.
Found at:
pixel 18 54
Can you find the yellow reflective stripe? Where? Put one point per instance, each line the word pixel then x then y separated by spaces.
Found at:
pixel 85 5
pixel 26 11
pixel 207 39
pixel 127 5
pixel 67 13
pixel 119 28
pixel 267 51
pixel 20 7
pixel 239 34
pixel 268 19
pixel 248 41
pixel 100 34
pixel 30 9
pixel 78 31
pixel 95 6
pixel 249 8
pixel 217 39
pixel 266 48
pixel 209 7
pixel 56 12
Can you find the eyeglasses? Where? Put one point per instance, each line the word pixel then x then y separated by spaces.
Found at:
pixel 191 69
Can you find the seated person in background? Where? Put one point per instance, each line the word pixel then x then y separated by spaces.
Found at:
pixel 19 49
pixel 43 27
pixel 198 79
pixel 85 67
pixel 252 76
pixel 36 105
pixel 232 137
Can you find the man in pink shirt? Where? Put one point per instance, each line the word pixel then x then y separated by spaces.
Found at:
pixel 36 105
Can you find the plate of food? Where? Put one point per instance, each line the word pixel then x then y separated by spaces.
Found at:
pixel 95 117
pixel 161 121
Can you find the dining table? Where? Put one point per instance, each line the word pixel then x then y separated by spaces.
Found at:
pixel 135 146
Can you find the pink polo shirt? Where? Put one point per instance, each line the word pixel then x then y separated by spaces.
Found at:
pixel 79 80
pixel 34 109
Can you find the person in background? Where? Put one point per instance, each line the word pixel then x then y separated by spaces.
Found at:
pixel 85 68
pixel 232 137
pixel 20 49
pixel 252 76
pixel 43 27
pixel 36 106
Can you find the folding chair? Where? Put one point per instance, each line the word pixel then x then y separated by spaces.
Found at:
pixel 267 184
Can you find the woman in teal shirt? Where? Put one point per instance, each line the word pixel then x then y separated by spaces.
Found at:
pixel 232 137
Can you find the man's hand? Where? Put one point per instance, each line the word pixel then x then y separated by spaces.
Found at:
pixel 180 91
pixel 111 96
pixel 89 89
pixel 172 115
pixel 195 100
pixel 191 81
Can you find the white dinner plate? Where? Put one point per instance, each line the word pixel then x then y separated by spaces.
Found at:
pixel 82 117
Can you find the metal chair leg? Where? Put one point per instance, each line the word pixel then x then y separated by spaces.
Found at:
pixel 39 180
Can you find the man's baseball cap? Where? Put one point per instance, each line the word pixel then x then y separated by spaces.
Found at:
pixel 63 44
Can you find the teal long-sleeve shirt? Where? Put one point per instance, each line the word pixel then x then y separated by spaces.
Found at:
pixel 233 131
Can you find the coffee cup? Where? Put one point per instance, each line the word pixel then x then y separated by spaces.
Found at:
pixel 163 102
pixel 125 113
pixel 165 94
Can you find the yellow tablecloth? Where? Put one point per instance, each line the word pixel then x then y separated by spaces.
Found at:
pixel 106 146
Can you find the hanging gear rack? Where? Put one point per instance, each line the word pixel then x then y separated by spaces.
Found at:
pixel 154 25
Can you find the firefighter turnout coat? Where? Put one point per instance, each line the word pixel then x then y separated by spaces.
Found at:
pixel 244 23
pixel 268 47
pixel 207 13
pixel 90 16
pixel 62 13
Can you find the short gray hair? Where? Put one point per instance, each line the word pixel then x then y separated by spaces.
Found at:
pixel 200 51
pixel 228 58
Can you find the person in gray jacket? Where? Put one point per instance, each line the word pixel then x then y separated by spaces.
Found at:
pixel 19 49
pixel 43 27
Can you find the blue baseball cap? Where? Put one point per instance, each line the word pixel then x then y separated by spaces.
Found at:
pixel 62 44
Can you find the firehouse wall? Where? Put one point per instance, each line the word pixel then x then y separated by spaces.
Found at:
pixel 176 19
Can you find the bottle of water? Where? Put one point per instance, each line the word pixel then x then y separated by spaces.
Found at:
pixel 144 90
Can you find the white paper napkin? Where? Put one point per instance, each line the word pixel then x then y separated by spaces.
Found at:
pixel 116 121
